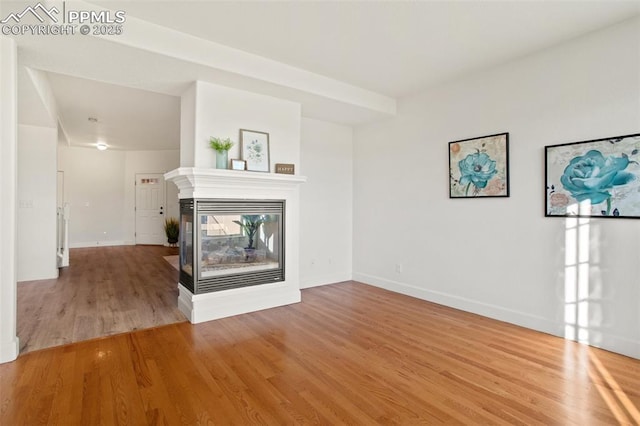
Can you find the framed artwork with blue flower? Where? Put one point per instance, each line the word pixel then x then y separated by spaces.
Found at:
pixel 596 178
pixel 479 167
pixel 254 149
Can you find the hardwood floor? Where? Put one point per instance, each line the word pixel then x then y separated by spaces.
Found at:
pixel 348 354
pixel 104 291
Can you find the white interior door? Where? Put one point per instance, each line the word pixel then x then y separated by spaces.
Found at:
pixel 150 208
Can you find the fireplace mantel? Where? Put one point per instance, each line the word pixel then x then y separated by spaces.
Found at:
pixel 204 183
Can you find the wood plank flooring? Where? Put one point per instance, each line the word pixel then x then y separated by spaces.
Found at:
pixel 348 354
pixel 104 291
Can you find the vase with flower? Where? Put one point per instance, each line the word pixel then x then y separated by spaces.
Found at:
pixel 221 147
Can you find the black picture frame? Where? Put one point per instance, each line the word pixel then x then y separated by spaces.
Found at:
pixel 594 178
pixel 479 167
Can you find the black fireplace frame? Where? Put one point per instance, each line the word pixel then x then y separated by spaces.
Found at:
pixel 196 206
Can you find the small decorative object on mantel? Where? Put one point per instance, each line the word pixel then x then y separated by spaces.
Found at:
pixel 238 165
pixel 254 149
pixel 479 167
pixel 285 169
pixel 596 178
pixel 222 147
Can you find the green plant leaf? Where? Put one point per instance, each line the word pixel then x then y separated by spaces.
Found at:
pixel 220 145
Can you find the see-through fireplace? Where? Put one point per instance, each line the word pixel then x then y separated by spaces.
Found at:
pixel 227 244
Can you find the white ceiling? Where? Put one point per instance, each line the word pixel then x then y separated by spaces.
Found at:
pixel 391 47
pixel 128 119
pixel 345 59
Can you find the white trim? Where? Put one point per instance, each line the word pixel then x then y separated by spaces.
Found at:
pixel 9 343
pixel 485 309
pixel 10 350
pixel 100 244
pixel 324 279
pixel 195 182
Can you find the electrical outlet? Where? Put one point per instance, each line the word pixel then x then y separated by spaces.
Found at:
pixel 399 268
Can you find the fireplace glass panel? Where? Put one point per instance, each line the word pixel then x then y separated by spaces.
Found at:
pixel 238 243
pixel 186 243
pixel 228 244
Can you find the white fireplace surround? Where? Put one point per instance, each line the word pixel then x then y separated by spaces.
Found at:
pixel 201 183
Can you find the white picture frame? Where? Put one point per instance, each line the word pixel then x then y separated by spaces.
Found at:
pixel 238 165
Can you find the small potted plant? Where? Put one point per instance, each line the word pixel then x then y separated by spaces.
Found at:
pixel 172 230
pixel 222 147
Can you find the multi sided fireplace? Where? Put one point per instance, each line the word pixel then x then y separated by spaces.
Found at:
pixel 228 244
pixel 220 274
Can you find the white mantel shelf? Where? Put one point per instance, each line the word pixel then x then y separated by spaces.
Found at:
pixel 203 182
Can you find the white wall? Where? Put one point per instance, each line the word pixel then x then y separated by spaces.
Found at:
pixel 99 185
pixel 501 257
pixel 326 152
pixel 188 127
pixel 148 162
pixel 94 189
pixel 37 190
pixel 222 112
pixel 39 81
pixel 320 150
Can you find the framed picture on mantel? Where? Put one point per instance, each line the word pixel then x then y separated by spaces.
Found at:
pixel 254 149
pixel 238 165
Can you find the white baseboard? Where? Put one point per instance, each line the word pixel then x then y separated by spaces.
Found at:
pixel 38 276
pixel 464 304
pixel 9 350
pixel 98 244
pixel 620 345
pixel 468 305
pixel 609 342
pixel 324 279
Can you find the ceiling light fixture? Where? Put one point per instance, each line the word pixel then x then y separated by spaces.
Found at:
pixel 101 146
